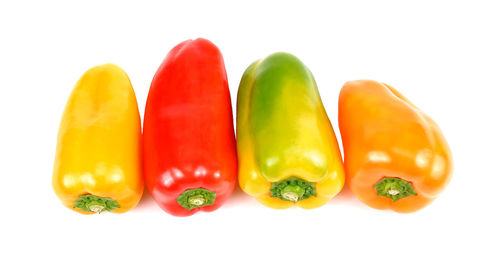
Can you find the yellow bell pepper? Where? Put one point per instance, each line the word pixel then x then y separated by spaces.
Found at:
pixel 288 153
pixel 98 164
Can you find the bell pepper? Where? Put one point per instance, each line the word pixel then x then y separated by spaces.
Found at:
pixel 396 157
pixel 288 153
pixel 98 164
pixel 189 143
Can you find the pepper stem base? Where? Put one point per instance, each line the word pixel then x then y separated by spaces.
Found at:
pixel 96 204
pixel 196 198
pixel 293 189
pixel 394 188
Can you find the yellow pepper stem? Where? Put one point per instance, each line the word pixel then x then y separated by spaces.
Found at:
pixel 293 189
pixel 292 193
pixel 91 203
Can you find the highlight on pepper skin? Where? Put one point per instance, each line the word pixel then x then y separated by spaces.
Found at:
pixel 395 156
pixel 288 153
pixel 98 163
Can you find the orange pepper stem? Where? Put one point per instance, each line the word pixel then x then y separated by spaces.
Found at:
pixel 92 203
pixel 394 188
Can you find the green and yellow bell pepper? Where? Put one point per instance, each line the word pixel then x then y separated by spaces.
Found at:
pixel 287 150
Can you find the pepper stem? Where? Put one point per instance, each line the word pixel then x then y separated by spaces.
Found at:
pixel 96 208
pixel 292 193
pixel 96 204
pixel 394 188
pixel 293 189
pixel 196 198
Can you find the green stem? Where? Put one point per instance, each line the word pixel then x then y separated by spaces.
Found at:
pixel 293 189
pixel 196 198
pixel 394 188
pixel 91 203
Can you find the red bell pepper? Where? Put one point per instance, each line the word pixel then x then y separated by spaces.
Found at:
pixel 190 159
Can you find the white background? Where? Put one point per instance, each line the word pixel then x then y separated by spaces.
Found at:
pixel 443 55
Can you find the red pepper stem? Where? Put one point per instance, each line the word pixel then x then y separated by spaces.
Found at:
pixel 196 198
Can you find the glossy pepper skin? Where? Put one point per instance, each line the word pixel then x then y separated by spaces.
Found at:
pixel 288 153
pixel 395 155
pixel 189 143
pixel 98 164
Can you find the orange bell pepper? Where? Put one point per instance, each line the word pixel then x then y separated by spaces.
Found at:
pixel 395 156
